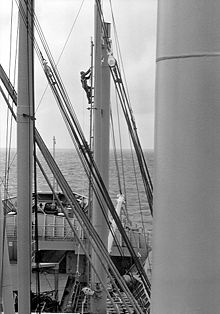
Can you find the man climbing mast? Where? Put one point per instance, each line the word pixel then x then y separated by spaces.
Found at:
pixel 85 76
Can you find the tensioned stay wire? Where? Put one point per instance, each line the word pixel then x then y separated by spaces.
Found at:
pixel 79 214
pixel 131 124
pixel 121 61
pixel 122 156
pixel 80 241
pixel 62 51
pixel 84 142
pixel 57 76
pixel 7 161
pixel 77 146
pixel 115 153
pixel 139 198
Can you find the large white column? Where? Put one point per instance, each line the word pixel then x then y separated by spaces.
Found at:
pixel 186 241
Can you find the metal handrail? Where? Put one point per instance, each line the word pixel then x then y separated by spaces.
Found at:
pixel 53 227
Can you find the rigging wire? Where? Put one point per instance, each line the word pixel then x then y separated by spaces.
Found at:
pixel 115 153
pixel 79 213
pixel 118 50
pixel 78 144
pixel 30 29
pixel 122 157
pixel 133 133
pixel 83 146
pixel 78 124
pixel 138 195
pixel 57 77
pixel 91 136
pixel 63 49
pixel 89 229
pixel 9 123
pixel 98 182
pixel 30 32
pixel 7 162
pixel 85 165
pixel 98 178
pixel 126 106
pixel 37 251
pixel 80 241
pixel 120 60
pixel 89 164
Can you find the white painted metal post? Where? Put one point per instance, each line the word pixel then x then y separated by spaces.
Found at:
pixel 186 245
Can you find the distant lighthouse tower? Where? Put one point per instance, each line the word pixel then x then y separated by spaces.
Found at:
pixel 186 241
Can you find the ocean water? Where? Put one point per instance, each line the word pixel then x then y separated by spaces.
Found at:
pixel 73 171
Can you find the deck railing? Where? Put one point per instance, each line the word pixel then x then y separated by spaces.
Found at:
pixel 52 227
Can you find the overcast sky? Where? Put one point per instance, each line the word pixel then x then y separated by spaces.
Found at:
pixel 136 29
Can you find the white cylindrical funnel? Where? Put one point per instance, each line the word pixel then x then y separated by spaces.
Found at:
pixel 186 241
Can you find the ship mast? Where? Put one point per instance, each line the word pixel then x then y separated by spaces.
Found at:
pixel 25 153
pixel 101 151
pixel 186 246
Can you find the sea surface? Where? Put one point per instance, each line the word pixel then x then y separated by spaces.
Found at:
pixel 70 165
